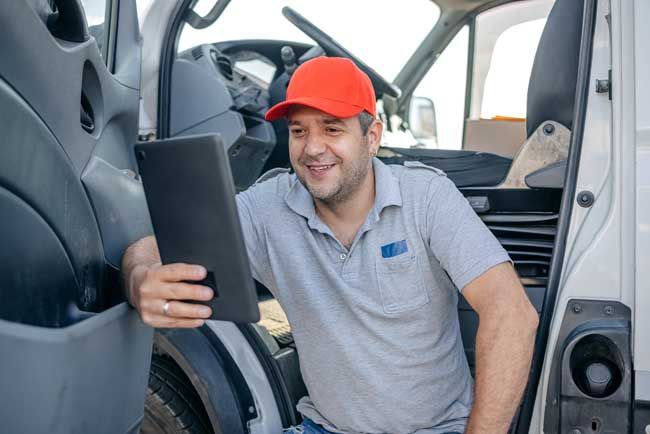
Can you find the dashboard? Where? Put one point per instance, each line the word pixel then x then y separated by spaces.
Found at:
pixel 227 88
pixel 244 74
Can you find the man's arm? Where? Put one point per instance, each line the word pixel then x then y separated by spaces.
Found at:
pixel 149 285
pixel 504 347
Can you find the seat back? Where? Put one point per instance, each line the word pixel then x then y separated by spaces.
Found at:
pixel 552 85
pixel 551 94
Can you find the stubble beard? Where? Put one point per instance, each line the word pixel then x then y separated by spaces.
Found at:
pixel 353 175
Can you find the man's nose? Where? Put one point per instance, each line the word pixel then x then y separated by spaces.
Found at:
pixel 315 145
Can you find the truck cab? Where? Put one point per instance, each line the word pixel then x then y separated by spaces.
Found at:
pixel 535 109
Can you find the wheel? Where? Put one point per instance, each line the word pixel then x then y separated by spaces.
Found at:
pixel 172 406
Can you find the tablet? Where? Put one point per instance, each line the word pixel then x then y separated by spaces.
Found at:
pixel 191 197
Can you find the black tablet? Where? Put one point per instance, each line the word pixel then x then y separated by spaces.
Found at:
pixel 191 199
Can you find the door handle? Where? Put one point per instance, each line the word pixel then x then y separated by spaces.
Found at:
pixel 69 21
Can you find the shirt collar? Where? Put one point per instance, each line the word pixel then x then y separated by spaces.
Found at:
pixel 387 193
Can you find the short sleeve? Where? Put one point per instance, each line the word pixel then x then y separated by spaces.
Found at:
pixel 456 235
pixel 252 225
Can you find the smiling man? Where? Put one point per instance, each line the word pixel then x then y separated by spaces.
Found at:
pixel 367 260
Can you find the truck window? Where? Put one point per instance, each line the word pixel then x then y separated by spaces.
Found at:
pixel 445 85
pixel 379 33
pixel 503 50
pixel 506 84
pixel 504 47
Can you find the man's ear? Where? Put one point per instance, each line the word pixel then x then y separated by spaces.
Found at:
pixel 375 132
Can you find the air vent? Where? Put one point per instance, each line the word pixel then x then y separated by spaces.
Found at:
pixel 197 53
pixel 223 64
pixel 529 239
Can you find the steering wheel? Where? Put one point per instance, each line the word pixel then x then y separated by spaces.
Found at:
pixel 333 48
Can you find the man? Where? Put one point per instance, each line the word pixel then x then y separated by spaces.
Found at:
pixel 365 260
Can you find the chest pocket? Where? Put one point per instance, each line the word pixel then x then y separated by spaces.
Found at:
pixel 400 282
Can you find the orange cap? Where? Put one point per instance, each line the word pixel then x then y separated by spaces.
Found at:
pixel 334 85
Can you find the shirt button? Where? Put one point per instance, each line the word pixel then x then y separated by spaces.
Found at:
pixel 343 256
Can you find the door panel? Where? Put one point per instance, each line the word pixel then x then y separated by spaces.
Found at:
pixel 75 357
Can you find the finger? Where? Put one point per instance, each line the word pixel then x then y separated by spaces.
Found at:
pixel 161 321
pixel 184 291
pixel 182 310
pixel 186 324
pixel 179 271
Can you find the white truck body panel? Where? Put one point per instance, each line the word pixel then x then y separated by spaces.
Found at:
pixel 640 61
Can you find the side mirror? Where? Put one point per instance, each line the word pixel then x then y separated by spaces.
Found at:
pixel 422 121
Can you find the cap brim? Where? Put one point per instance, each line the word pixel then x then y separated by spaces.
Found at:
pixel 334 108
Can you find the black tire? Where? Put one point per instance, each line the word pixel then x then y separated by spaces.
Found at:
pixel 172 406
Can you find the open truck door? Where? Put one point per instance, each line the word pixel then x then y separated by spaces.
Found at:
pixel 75 358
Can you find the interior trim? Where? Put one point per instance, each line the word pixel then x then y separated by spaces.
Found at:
pixel 522 424
pixel 168 52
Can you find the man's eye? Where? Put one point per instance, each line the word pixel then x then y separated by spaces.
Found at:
pixel 297 132
pixel 333 130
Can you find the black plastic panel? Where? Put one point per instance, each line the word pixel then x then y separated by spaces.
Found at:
pixel 87 378
pixel 120 206
pixel 551 176
pixel 48 72
pixel 69 21
pixel 201 103
pixel 518 200
pixel 197 95
pixel 552 85
pixel 44 85
pixel 289 364
pixel 35 168
pixel 64 370
pixel 590 387
pixel 28 244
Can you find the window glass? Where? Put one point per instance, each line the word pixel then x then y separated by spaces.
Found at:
pixel 445 85
pixel 506 84
pixel 97 16
pixel 506 40
pixel 382 34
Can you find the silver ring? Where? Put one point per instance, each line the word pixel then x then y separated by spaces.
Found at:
pixel 165 308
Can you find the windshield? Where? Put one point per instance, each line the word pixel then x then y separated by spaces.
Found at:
pixel 382 34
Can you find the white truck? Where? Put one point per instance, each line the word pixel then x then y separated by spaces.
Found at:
pixel 536 109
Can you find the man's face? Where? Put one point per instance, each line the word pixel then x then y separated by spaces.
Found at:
pixel 330 155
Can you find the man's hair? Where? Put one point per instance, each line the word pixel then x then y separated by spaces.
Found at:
pixel 365 120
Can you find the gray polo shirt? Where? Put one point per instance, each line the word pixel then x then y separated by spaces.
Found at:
pixel 376 326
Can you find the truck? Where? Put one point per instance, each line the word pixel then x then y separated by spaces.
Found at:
pixel 535 109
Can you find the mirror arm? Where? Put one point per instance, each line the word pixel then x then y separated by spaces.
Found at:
pixel 199 22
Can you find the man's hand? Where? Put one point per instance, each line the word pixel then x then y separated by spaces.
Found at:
pixel 150 285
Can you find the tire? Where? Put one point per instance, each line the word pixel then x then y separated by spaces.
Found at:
pixel 172 406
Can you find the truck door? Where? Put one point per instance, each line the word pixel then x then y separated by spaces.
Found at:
pixel 74 357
